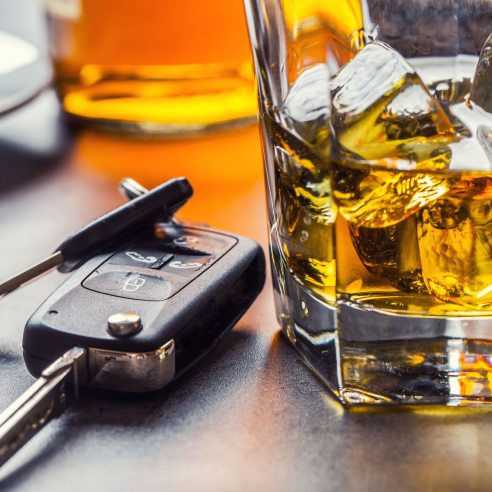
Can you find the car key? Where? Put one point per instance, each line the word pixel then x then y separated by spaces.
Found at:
pixel 133 319
pixel 143 209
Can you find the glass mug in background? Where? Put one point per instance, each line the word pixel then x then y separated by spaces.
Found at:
pixel 149 67
pixel 376 124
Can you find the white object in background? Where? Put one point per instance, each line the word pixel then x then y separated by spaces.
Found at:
pixel 15 52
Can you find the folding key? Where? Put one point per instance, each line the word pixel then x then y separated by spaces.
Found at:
pixel 134 318
pixel 143 209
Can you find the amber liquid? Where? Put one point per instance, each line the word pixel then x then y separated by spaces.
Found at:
pixel 383 203
pixel 415 241
pixel 408 243
pixel 153 67
pixel 412 241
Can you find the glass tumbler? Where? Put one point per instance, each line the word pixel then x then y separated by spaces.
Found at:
pixel 153 68
pixel 376 126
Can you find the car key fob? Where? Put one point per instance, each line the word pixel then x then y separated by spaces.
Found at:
pixel 150 309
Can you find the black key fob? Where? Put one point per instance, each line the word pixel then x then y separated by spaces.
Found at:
pixel 149 310
pixel 133 216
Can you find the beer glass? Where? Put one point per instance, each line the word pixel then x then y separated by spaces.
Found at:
pixel 376 126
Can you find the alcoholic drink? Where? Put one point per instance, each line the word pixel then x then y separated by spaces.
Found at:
pixel 379 170
pixel 153 68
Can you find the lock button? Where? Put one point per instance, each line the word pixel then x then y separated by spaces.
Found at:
pixel 131 285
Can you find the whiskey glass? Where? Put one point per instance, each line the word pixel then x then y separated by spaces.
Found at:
pixel 153 68
pixel 376 126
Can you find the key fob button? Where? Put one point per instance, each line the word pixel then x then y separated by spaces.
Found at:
pixel 193 242
pixel 187 266
pixel 137 257
pixel 131 285
pixel 154 268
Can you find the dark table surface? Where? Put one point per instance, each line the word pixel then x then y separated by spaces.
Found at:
pixel 250 417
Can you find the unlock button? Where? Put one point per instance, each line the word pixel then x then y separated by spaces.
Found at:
pixel 188 266
pixel 132 285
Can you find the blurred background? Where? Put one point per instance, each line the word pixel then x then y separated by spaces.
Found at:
pixel 145 89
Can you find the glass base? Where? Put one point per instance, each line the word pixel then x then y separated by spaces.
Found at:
pixel 446 371
pixel 371 357
pixel 147 130
pixel 160 101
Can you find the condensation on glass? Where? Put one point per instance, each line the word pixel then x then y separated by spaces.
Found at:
pixel 376 122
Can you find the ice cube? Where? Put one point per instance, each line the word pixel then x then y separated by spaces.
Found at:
pixel 304 172
pixel 377 198
pixel 391 253
pixel 380 206
pixel 380 104
pixel 307 107
pixel 301 135
pixel 455 243
pixel 383 113
pixel 481 91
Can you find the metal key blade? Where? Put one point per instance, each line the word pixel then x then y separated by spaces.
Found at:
pixel 43 401
pixel 130 189
pixel 31 273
